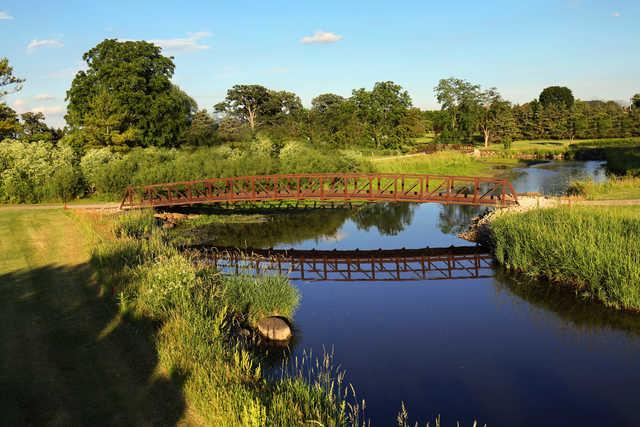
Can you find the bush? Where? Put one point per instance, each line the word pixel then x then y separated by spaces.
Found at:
pixel 136 224
pixel 256 298
pixel 36 172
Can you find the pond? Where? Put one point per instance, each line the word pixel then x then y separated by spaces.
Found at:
pixel 494 349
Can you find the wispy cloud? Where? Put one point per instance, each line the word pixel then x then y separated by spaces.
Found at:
pixel 49 110
pixel 19 105
pixel 44 97
pixel 36 44
pixel 616 14
pixel 67 73
pixel 321 37
pixel 191 43
pixel 5 15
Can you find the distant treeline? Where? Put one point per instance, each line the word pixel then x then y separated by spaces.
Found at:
pixel 126 99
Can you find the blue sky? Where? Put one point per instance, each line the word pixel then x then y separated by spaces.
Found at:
pixel 313 47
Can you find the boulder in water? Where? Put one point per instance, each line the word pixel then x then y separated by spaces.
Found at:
pixel 274 328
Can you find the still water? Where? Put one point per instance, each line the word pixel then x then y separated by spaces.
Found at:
pixel 491 349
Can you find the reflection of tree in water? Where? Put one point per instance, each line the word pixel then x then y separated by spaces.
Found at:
pixel 565 303
pixel 455 219
pixel 287 228
pixel 389 218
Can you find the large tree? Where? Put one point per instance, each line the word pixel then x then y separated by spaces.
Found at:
pixel 247 103
pixel 126 96
pixel 461 100
pixel 33 128
pixel 495 118
pixel 384 109
pixel 9 124
pixel 202 130
pixel 559 96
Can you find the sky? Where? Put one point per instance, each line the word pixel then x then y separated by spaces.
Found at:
pixel 313 47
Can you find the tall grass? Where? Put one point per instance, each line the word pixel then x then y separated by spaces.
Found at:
pixel 594 249
pixel 613 189
pixel 442 163
pixel 194 308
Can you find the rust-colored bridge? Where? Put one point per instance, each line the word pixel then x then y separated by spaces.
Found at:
pixel 393 265
pixel 347 187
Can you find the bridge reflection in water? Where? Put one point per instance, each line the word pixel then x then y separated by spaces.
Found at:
pixel 395 265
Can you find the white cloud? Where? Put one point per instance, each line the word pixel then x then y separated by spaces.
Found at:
pixel 4 15
pixel 56 109
pixel 191 43
pixel 19 105
pixel 321 37
pixel 44 97
pixel 615 14
pixel 35 44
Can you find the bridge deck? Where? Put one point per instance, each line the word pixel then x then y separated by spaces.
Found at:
pixel 326 187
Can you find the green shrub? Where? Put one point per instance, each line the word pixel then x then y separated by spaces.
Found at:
pixel 257 297
pixel 136 224
pixel 37 171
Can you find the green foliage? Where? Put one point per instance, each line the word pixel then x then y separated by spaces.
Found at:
pixel 256 298
pixel 135 224
pixel 126 97
pixel 9 124
pixel 8 79
pixel 31 173
pixel 559 96
pixel 635 100
pixel 202 130
pixel 593 249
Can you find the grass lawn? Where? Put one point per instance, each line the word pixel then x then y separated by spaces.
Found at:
pixel 65 358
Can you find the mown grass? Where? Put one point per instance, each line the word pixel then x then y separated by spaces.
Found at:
pixel 622 188
pixel 594 249
pixel 196 309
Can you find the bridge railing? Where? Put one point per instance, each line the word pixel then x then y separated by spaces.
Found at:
pixel 354 266
pixel 326 187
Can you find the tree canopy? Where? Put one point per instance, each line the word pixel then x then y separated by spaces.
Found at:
pixel 556 95
pixel 8 81
pixel 126 97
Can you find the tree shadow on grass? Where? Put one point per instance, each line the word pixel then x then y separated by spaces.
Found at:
pixel 67 358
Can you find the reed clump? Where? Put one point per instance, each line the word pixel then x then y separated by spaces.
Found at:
pixel 594 249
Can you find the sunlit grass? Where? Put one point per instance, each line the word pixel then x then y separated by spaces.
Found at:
pixel 594 249
pixel 614 189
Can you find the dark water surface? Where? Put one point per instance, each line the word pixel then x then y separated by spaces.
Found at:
pixel 492 349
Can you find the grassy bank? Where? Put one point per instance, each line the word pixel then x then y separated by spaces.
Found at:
pixel 197 312
pixel 161 351
pixel 66 358
pixel 595 250
pixel 613 189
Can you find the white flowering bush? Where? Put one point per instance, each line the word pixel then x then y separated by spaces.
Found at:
pixel 37 171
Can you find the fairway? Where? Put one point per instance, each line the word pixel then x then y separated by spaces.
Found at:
pixel 65 356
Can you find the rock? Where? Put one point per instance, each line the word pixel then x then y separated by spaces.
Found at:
pixel 274 328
